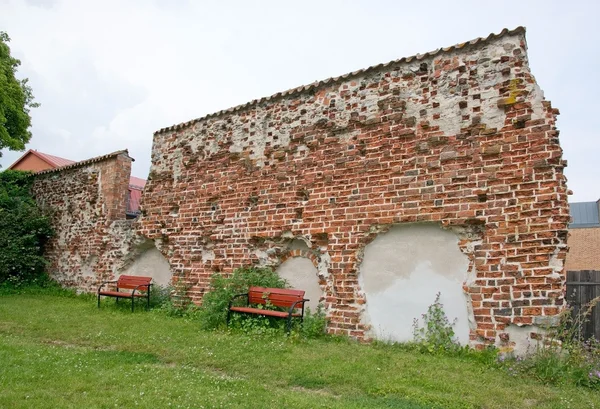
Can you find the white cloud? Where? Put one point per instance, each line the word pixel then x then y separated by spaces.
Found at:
pixel 109 73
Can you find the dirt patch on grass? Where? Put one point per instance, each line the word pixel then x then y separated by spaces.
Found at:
pixel 319 392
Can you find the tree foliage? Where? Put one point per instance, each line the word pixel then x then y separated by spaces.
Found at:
pixel 23 229
pixel 16 99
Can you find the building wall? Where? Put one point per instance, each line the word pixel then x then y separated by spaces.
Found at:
pixel 461 139
pixel 584 249
pixel 87 204
pixel 32 163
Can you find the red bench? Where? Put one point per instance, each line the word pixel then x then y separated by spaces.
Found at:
pixel 290 299
pixel 140 287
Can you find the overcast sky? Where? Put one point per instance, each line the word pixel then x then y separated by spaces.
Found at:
pixel 109 73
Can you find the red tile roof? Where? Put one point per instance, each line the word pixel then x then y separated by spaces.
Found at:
pixel 137 183
pixel 133 202
pixel 56 161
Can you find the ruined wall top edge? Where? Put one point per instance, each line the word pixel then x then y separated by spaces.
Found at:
pixel 417 59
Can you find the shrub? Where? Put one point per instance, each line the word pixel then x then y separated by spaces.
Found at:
pixel 23 230
pixel 213 311
pixel 437 334
pixel 258 325
pixel 42 284
pixel 160 296
pixel 314 324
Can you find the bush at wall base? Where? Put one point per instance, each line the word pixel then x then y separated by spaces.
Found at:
pixel 23 230
pixel 213 311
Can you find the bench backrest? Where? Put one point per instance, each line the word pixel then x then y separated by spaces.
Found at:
pixel 131 282
pixel 280 297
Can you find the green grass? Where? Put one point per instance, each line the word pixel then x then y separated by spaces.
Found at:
pixel 63 352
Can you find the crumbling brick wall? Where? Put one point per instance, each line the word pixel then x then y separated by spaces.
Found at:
pixel 461 136
pixel 87 202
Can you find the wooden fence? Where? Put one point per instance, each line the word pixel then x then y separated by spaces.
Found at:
pixel 583 287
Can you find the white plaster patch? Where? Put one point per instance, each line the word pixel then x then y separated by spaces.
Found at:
pixel 151 263
pixel 520 339
pixel 88 267
pixel 300 273
pixel 401 272
pixel 207 255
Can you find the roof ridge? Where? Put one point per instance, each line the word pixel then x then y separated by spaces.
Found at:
pixel 85 162
pixel 302 88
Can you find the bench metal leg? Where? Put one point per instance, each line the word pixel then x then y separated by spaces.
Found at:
pixel 132 298
pixel 98 300
pixel 228 316
pixel 289 324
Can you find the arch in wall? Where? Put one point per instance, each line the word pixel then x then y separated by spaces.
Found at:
pixel 401 272
pixel 300 270
pixel 147 260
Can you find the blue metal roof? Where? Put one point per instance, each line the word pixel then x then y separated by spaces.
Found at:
pixel 584 214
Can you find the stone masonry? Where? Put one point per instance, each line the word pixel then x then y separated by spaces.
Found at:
pixel 87 201
pixel 460 137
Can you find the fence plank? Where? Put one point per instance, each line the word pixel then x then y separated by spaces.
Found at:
pixel 582 287
pixel 587 293
pixel 596 312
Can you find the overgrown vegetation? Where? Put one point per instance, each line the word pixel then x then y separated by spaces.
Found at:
pixel 436 335
pixel 213 311
pixel 562 356
pixel 110 357
pixel 23 231
pixel 254 364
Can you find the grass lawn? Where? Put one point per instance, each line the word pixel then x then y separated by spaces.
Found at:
pixel 61 352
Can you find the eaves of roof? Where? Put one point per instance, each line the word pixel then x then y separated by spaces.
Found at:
pixel 584 226
pixel 86 162
pixel 329 81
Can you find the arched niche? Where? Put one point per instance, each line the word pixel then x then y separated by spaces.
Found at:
pixel 147 260
pixel 401 272
pixel 301 272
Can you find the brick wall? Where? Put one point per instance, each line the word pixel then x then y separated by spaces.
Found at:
pixel 461 137
pixel 87 201
pixel 584 249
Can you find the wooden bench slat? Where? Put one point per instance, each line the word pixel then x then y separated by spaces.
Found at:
pixel 278 302
pixel 278 297
pixel 133 282
pixel 128 286
pixel 121 294
pixel 139 285
pixel 272 313
pixel 289 291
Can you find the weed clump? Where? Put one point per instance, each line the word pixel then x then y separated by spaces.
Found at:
pixel 436 335
pixel 562 355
